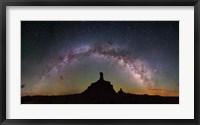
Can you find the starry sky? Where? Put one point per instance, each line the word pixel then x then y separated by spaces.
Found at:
pixel 65 57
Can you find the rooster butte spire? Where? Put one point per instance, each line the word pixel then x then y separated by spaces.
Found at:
pixel 101 76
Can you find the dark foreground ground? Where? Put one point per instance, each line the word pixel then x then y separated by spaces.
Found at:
pixel 114 99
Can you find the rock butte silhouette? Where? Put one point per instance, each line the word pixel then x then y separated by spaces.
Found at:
pixel 100 88
pixel 121 91
pixel 100 92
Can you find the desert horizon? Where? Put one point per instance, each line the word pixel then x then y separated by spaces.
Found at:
pixel 139 59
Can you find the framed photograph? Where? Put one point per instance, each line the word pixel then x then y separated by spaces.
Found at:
pixel 99 62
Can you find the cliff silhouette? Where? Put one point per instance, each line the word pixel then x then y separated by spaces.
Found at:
pixel 100 92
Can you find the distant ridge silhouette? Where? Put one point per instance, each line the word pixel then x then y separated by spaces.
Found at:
pixel 100 88
pixel 100 92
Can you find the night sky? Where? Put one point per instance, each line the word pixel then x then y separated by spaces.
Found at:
pixel 65 57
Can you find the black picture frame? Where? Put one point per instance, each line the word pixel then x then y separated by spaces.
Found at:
pixel 5 3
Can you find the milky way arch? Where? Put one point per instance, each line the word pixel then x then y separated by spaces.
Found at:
pixel 111 52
